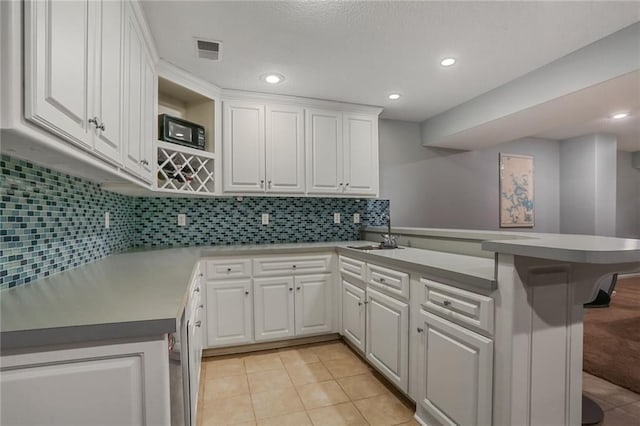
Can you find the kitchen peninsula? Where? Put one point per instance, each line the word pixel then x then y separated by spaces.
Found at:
pixel 501 310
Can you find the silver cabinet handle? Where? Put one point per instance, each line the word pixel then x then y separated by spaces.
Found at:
pixel 446 303
pixel 346 186
pixel 261 183
pixel 145 162
pixel 198 323
pixel 420 330
pixel 269 184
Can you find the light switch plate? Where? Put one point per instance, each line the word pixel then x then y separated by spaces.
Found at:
pixel 336 218
pixel 182 219
pixel 356 218
pixel 265 218
pixel 107 220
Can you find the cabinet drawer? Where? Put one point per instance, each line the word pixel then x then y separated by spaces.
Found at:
pixel 228 268
pixel 352 268
pixel 394 282
pixel 458 305
pixel 291 265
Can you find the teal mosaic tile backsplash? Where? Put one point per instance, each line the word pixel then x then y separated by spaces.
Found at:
pixel 51 222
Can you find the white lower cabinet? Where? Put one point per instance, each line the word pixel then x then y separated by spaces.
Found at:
pixel 313 307
pixel 273 308
pixel 292 306
pixel 229 312
pixel 353 314
pixel 117 384
pixel 455 373
pixel 387 340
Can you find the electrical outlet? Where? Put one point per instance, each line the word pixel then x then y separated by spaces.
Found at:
pixel 356 218
pixel 336 218
pixel 265 218
pixel 107 220
pixel 182 219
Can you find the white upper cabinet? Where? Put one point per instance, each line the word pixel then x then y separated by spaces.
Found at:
pixel 360 153
pixel 90 79
pixel 139 89
pixel 285 149
pixel 58 46
pixel 107 91
pixel 243 145
pixel 324 152
pixel 342 153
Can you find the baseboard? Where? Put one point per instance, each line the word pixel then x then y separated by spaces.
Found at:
pixel 263 346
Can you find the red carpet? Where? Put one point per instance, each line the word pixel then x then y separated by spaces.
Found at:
pixel 612 337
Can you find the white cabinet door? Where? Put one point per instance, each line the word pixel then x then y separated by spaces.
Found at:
pixel 229 313
pixel 243 146
pixel 107 79
pixel 273 308
pixel 111 384
pixel 353 314
pixel 360 154
pixel 313 307
pixel 456 370
pixel 58 38
pixel 324 152
pixel 149 117
pixel 285 149
pixel 134 94
pixel 387 337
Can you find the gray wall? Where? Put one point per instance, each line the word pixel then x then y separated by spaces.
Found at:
pixel 588 185
pixel 431 187
pixel 628 198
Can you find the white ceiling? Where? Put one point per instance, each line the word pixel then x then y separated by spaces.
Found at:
pixel 361 51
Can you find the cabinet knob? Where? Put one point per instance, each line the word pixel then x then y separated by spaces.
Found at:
pixel 420 330
pixel 201 274
pixel 228 269
pixel 145 162
pixel 93 121
pixel 294 266
pixel 340 184
pixel 101 127
pixel 269 184
pixel 201 305
pixel 261 183
pixel 196 290
pixel 359 303
pixel 246 292
pixel 366 302
pixel 382 280
pixel 198 323
pixel 298 288
pixel 290 288
pixel 446 303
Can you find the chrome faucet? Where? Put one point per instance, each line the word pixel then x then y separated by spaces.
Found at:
pixel 389 240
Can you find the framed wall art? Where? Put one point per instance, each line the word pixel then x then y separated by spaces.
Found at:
pixel 516 191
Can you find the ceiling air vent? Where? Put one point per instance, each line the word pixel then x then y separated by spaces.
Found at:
pixel 208 49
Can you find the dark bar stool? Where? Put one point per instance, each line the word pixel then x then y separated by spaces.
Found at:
pixel 592 413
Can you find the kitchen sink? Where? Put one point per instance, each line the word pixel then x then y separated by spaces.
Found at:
pixel 373 247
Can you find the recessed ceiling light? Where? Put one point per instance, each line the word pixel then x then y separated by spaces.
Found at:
pixel 620 115
pixel 394 96
pixel 447 62
pixel 273 78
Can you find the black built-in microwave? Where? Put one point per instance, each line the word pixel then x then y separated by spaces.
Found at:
pixel 179 131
